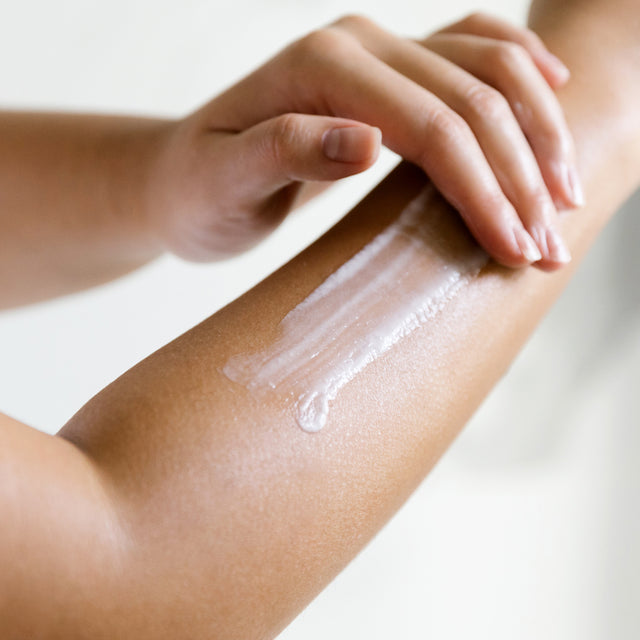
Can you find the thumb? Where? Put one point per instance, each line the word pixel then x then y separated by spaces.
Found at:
pixel 297 147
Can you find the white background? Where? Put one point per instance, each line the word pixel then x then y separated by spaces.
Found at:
pixel 529 527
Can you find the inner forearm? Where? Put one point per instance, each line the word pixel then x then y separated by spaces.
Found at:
pixel 71 209
pixel 231 497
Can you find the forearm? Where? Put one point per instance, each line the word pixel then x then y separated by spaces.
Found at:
pixel 72 209
pixel 239 516
pixel 230 518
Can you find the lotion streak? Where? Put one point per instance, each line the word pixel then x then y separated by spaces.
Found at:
pixel 391 287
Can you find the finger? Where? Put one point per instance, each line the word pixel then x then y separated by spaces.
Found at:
pixel 330 72
pixel 495 127
pixel 295 147
pixel 445 147
pixel 510 69
pixel 513 163
pixel 480 24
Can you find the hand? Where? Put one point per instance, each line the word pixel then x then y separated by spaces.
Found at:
pixel 473 105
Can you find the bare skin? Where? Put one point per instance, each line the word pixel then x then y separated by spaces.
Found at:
pixel 175 505
pixel 86 198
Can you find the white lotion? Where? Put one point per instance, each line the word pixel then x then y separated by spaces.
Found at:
pixel 387 290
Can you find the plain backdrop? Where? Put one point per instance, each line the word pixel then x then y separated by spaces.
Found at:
pixel 529 527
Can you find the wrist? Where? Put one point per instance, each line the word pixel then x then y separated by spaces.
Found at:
pixel 171 193
pixel 598 35
pixel 598 41
pixel 134 152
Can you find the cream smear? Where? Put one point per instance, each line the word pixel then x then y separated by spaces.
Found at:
pixel 397 282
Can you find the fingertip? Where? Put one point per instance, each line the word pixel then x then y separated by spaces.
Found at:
pixel 577 192
pixel 515 249
pixel 503 236
pixel 556 73
pixel 557 250
pixel 526 245
pixel 555 253
pixel 549 266
pixel 376 140
pixel 354 144
pixel 568 191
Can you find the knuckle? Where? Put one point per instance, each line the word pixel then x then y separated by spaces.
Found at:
pixel 280 142
pixel 486 102
pixel 475 19
pixel 533 40
pixel 555 140
pixel 510 55
pixel 317 46
pixel 549 133
pixel 447 127
pixel 353 22
pixel 548 127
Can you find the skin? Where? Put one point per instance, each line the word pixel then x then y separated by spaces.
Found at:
pixel 176 505
pixel 123 190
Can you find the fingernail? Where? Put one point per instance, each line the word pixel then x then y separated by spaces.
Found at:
pixel 575 186
pixel 348 144
pixel 539 235
pixel 560 67
pixel 558 251
pixel 571 187
pixel 527 246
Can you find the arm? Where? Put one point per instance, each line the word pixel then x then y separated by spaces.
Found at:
pixel 86 198
pixel 202 511
pixel 70 215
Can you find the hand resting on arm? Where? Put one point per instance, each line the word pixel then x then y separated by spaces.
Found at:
pixel 178 504
pixel 122 189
